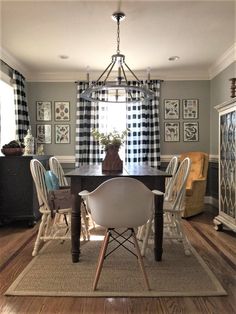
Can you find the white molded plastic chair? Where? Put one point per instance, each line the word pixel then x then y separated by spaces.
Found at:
pixel 57 169
pixel 50 228
pixel 120 203
pixel 173 208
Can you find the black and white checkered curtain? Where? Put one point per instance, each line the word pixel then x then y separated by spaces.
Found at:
pixel 21 108
pixel 87 150
pixel 143 142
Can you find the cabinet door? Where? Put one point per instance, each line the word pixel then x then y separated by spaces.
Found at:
pixel 16 190
pixel 228 163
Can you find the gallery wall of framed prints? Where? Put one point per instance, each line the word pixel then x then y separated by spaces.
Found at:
pixel 45 126
pixel 186 110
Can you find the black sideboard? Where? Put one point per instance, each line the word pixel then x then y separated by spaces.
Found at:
pixel 18 197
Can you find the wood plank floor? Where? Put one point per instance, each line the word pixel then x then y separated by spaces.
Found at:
pixel 218 249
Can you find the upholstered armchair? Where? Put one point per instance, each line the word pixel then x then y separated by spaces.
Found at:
pixel 196 183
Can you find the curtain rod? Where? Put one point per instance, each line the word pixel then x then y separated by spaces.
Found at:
pixel 150 80
pixel 7 65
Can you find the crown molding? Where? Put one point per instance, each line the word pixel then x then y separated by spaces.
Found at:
pixel 228 57
pixel 13 62
pixel 167 75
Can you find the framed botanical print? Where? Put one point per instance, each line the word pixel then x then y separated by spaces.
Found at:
pixel 43 110
pixel 191 131
pixel 62 110
pixel 44 133
pixel 171 131
pixel 190 108
pixel 62 133
pixel 171 108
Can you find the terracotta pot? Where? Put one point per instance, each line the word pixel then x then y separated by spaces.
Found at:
pixel 10 151
pixel 112 161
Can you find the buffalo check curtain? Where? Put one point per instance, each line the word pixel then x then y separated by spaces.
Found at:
pixel 21 108
pixel 142 118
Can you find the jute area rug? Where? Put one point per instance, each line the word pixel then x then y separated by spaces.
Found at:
pixel 52 273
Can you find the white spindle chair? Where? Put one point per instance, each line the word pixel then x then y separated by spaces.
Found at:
pixel 56 168
pixel 52 227
pixel 173 208
pixel 170 169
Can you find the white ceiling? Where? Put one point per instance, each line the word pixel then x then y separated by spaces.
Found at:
pixel 35 33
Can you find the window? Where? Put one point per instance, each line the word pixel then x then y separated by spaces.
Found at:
pixel 113 116
pixel 7 113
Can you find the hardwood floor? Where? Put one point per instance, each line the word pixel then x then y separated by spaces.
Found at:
pixel 218 249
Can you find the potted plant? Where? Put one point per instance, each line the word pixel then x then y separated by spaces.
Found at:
pixel 111 143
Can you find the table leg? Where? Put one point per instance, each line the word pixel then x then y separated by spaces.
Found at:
pixel 158 227
pixel 75 228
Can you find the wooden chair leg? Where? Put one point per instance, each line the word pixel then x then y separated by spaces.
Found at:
pixel 101 259
pixel 84 217
pixel 146 236
pixel 140 259
pixel 40 234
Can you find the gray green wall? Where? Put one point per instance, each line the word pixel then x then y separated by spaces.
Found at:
pixel 187 90
pixel 220 92
pixel 53 92
pixel 47 91
pixel 209 94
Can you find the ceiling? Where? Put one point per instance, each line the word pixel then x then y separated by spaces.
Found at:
pixel 35 33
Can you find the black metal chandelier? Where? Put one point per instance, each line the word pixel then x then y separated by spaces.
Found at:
pixel 119 91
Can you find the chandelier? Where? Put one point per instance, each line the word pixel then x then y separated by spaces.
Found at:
pixel 120 90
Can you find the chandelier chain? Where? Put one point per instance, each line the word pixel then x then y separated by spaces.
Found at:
pixel 118 36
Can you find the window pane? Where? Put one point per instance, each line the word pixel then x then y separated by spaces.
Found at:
pixel 112 116
pixel 7 114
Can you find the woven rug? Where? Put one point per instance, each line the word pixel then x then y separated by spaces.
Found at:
pixel 52 273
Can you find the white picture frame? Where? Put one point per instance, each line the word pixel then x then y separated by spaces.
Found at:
pixel 43 110
pixel 171 131
pixel 62 111
pixel 190 108
pixel 191 131
pixel 44 133
pixel 62 133
pixel 171 109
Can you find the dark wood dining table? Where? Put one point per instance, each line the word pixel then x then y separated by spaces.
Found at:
pixel 88 177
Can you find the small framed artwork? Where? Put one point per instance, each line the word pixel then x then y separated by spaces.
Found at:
pixel 62 111
pixel 190 108
pixel 191 131
pixel 171 108
pixel 44 133
pixel 43 110
pixel 171 131
pixel 62 133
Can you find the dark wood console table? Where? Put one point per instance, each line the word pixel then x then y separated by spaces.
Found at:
pixel 90 176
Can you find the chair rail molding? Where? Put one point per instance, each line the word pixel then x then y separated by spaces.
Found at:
pixel 70 159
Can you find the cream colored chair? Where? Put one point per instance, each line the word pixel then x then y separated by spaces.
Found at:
pixel 196 183
pixel 120 203
pixel 52 227
pixel 170 169
pixel 173 208
pixel 57 169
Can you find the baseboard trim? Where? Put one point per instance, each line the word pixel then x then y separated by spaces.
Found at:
pixel 212 201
